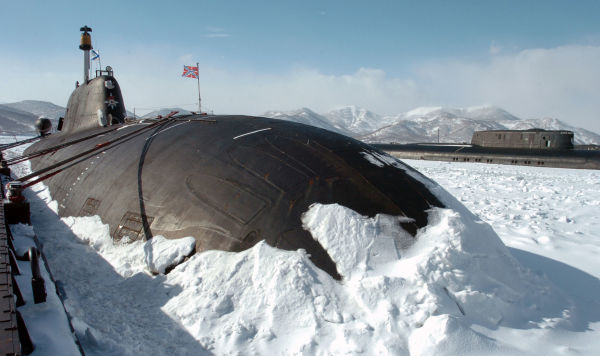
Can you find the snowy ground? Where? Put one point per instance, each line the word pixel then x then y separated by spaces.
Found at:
pixel 550 212
pixel 550 220
pixel 457 289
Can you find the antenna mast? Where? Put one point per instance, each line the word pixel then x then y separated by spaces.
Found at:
pixel 199 99
pixel 86 46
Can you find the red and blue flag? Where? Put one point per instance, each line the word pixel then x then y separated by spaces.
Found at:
pixel 190 72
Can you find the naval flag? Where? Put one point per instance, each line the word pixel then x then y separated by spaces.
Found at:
pixel 190 72
pixel 95 55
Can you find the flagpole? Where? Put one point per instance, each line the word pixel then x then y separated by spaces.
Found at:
pixel 199 99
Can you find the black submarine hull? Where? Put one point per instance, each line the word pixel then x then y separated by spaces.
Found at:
pixel 557 158
pixel 228 181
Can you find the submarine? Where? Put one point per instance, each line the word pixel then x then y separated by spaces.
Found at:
pixel 229 181
pixel 533 147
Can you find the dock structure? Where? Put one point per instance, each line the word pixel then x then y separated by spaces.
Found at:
pixel 534 147
pixel 14 336
pixel 10 343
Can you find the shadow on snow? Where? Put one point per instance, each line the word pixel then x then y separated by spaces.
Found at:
pixel 112 315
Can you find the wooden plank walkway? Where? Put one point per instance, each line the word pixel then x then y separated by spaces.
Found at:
pixel 9 334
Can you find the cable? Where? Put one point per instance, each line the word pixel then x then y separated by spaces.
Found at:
pixel 44 151
pixel 25 157
pixel 88 153
pixel 18 143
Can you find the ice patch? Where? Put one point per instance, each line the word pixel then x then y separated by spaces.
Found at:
pixel 381 159
pixel 369 156
pixel 101 118
pixel 422 111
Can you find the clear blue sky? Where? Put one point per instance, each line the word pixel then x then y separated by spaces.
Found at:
pixel 387 56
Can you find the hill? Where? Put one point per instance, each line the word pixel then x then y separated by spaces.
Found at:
pixel 164 112
pixel 20 117
pixel 426 124
pixel 39 108
pixel 308 117
pixel 15 121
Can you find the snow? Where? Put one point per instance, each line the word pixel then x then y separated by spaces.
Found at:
pixel 307 117
pixel 161 254
pixel 373 158
pixel 46 322
pixel 356 243
pixel 551 212
pixel 517 274
pixel 548 218
pixel 422 111
pixel 164 112
pixel 356 120
pixel 129 257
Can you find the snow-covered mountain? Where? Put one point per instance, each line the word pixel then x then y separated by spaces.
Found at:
pixel 356 120
pixel 582 136
pixel 39 108
pixel 19 117
pixel 164 112
pixel 308 117
pixel 424 124
pixel 15 121
pixel 452 125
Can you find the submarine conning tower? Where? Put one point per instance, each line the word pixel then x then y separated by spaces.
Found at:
pixel 524 139
pixel 97 102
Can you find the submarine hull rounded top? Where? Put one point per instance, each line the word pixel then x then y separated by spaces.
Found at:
pixel 228 181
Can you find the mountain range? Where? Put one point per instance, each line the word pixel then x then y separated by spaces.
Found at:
pixel 20 117
pixel 424 124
